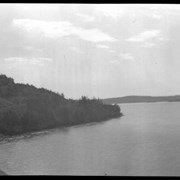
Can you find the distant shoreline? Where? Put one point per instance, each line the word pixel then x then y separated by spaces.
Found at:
pixel 158 102
pixel 141 99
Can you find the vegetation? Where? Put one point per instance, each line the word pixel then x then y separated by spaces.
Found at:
pixel 2 173
pixel 25 108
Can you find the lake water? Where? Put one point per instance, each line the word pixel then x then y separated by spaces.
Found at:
pixel 145 141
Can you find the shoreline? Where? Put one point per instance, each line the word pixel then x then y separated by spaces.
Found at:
pixel 9 138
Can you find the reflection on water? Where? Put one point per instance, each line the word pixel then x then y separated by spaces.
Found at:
pixel 145 141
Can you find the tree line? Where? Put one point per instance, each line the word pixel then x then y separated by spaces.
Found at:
pixel 25 108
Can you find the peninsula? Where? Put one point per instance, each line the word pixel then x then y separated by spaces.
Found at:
pixel 25 108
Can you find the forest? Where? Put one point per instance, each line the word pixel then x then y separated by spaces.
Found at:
pixel 25 108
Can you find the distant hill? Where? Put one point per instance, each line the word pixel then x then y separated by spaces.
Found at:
pixel 141 99
pixel 25 108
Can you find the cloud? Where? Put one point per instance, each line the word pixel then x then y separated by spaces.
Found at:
pixel 37 61
pixel 36 7
pixel 147 35
pixel 148 44
pixel 11 59
pixel 93 35
pixel 165 7
pixel 75 49
pixel 126 56
pixel 114 61
pixel 102 46
pixel 154 7
pixel 31 48
pixel 59 29
pixel 49 11
pixel 112 51
pixel 163 39
pixel 43 59
pixel 110 10
pixel 86 18
pixel 28 48
pixel 156 16
pixel 148 38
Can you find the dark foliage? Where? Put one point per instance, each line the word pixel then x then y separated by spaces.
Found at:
pixel 25 108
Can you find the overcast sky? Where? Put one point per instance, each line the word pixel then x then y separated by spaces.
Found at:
pixel 96 50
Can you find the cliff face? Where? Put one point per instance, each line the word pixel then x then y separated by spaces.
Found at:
pixel 25 108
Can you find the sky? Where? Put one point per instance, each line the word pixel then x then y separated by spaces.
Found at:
pixel 96 50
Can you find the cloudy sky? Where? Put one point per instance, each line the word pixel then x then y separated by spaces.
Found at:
pixel 101 50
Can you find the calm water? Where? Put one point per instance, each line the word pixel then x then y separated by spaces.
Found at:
pixel 146 141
